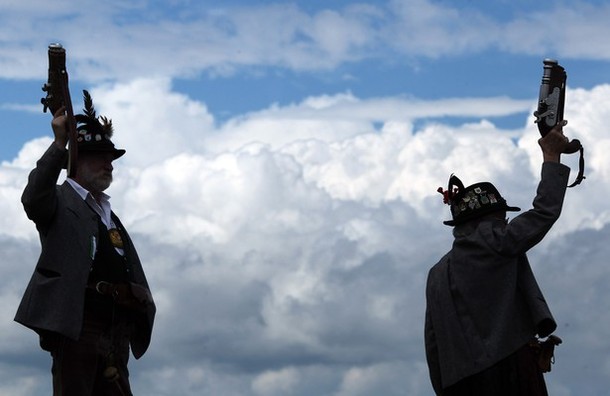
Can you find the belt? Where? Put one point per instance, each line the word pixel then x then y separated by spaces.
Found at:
pixel 105 288
pixel 128 295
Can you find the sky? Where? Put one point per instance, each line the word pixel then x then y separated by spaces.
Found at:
pixel 281 173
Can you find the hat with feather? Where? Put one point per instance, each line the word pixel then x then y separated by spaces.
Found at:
pixel 93 132
pixel 472 202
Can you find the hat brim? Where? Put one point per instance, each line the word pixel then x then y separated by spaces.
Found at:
pixel 481 214
pixel 117 153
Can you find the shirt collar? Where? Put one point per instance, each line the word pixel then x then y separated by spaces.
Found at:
pixel 84 193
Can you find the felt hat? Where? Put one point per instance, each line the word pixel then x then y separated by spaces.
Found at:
pixel 94 133
pixel 472 202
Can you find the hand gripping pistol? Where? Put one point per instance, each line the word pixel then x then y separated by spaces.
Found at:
pixel 551 102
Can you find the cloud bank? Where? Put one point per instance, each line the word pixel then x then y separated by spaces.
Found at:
pixel 288 248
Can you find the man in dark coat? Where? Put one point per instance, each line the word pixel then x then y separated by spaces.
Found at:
pixel 484 308
pixel 88 298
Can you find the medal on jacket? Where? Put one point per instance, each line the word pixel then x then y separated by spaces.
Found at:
pixel 115 238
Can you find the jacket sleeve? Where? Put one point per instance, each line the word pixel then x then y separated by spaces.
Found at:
pixel 39 197
pixel 528 229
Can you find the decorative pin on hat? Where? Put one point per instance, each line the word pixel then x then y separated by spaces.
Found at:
pixel 472 202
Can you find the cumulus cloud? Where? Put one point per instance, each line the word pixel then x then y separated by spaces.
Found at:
pixel 288 261
pixel 146 114
pixel 279 382
pixel 586 114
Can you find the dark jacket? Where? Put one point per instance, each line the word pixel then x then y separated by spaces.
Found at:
pixel 483 302
pixel 68 229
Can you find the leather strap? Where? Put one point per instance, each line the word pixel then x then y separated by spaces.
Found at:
pixel 581 169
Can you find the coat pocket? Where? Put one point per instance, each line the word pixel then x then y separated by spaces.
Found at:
pixel 47 273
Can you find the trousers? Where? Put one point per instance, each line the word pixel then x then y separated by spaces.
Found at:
pixel 96 364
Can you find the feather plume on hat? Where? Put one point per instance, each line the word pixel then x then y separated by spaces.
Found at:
pixel 91 116
pixel 89 110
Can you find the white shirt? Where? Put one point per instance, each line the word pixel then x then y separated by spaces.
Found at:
pixel 102 208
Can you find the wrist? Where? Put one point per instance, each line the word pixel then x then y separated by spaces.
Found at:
pixel 61 143
pixel 551 157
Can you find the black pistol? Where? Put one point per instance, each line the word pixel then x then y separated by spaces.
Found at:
pixel 54 86
pixel 58 95
pixel 551 103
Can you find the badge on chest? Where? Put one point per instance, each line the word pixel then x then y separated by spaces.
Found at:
pixel 115 238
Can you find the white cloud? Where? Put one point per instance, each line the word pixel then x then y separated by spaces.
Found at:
pixel 392 378
pixel 13 178
pixel 151 121
pixel 280 382
pixel 561 30
pixel 586 113
pixel 176 42
pixel 21 386
pixel 438 29
pixel 285 261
